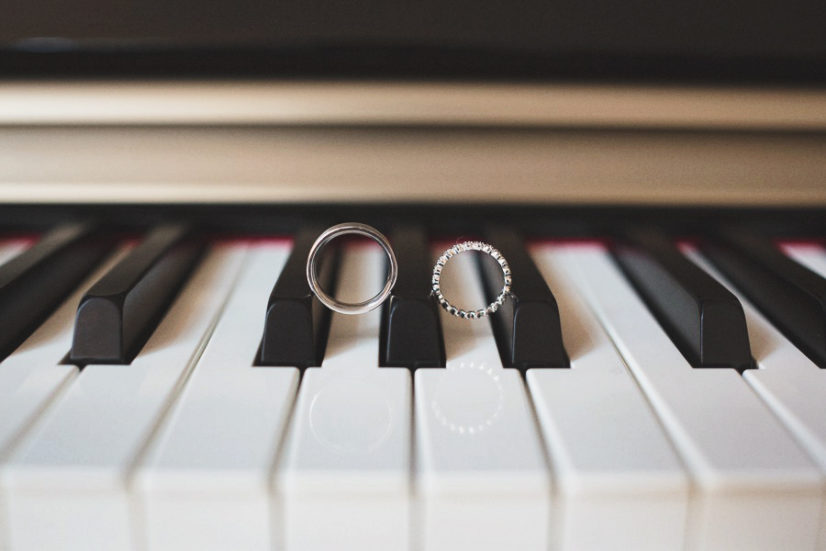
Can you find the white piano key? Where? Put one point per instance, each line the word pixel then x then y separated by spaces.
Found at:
pixel 242 322
pixel 811 255
pixel 787 380
pixel 31 377
pixel 66 481
pixel 205 481
pixel 32 374
pixel 745 464
pixel 345 474
pixel 482 478
pixel 51 342
pixel 613 465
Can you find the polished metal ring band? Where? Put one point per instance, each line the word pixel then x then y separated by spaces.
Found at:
pixel 471 246
pixel 350 228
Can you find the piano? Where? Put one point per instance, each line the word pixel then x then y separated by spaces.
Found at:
pixel 655 177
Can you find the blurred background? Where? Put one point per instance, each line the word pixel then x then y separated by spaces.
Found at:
pixel 567 102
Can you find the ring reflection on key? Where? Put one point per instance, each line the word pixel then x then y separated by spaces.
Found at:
pixel 480 399
pixel 345 433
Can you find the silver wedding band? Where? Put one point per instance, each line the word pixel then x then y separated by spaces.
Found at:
pixel 350 228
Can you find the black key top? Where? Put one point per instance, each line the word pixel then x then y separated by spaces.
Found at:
pixel 297 324
pixel 119 313
pixel 790 295
pixel 704 320
pixel 35 282
pixel 411 332
pixel 527 327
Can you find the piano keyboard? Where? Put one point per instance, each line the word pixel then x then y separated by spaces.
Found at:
pixel 171 393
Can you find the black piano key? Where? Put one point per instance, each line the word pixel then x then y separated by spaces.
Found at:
pixel 411 332
pixel 703 318
pixel 790 295
pixel 297 324
pixel 119 313
pixel 527 327
pixel 36 281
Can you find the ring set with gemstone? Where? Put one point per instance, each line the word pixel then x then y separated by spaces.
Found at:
pixel 356 228
pixel 458 249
